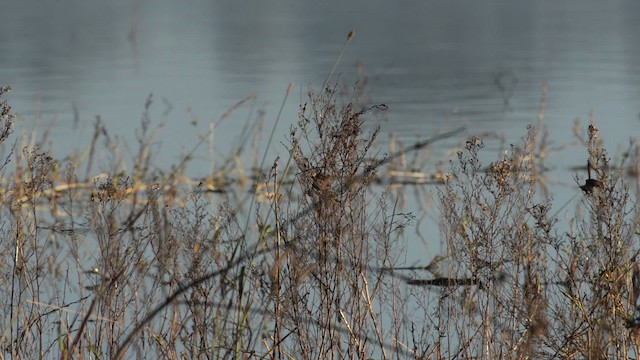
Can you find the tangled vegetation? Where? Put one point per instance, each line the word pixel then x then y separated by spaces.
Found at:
pixel 143 264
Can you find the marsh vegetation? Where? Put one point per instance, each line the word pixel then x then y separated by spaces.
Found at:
pixel 303 257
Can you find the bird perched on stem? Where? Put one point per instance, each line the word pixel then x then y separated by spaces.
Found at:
pixel 590 183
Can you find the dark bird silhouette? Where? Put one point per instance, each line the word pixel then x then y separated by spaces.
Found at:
pixel 590 183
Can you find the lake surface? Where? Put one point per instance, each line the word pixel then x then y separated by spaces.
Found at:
pixel 437 65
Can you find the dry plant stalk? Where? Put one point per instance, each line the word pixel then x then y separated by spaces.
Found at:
pixel 144 266
pixel 533 290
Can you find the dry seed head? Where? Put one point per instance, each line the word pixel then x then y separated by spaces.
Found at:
pixel 501 171
pixel 352 33
pixel 593 132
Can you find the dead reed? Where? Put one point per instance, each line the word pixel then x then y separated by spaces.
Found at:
pixel 143 264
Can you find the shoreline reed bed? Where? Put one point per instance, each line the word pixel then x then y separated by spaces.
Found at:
pixel 144 264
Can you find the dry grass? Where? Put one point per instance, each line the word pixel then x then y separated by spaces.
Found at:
pixel 143 264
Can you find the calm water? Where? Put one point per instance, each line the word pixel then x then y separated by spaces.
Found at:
pixel 436 65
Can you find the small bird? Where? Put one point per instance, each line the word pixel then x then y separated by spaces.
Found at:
pixel 590 183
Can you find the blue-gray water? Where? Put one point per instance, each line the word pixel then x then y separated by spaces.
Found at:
pixel 433 63
pixel 438 65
